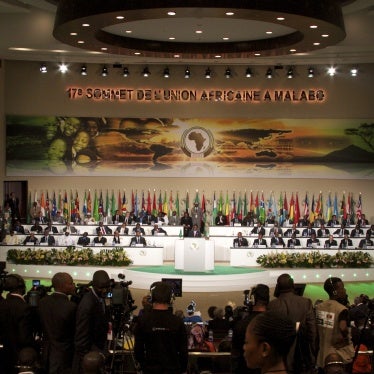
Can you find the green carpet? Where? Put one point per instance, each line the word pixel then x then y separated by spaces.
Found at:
pixel 218 270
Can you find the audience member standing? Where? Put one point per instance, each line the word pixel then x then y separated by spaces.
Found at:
pixel 300 311
pixel 91 321
pixel 57 316
pixel 160 336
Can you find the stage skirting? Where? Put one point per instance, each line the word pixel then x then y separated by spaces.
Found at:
pixel 221 279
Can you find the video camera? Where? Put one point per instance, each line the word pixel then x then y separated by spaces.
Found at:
pixel 37 292
pixel 241 312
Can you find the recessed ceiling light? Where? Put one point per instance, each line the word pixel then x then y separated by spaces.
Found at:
pixel 137 53
pixel 171 38
pixel 313 27
pixel 128 31
pixel 104 48
pixel 229 13
pixel 171 13
pixel 269 32
pixel 325 35
pixel 63 68
pixel 85 24
pixel 177 56
pixel 120 17
pixel 80 41
pixel 257 54
pixel 225 38
pixel 198 32
pixel 316 43
pixel 280 18
pixel 217 56
pixel 293 50
pixel 331 71
pixel 73 33
pixel 354 72
pixel 20 49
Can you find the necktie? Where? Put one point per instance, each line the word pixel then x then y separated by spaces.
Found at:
pixel 137 239
pixel 103 230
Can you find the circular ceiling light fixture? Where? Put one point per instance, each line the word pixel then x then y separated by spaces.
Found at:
pixel 147 20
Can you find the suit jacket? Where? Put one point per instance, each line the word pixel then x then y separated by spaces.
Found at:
pixel 219 219
pixel 258 230
pixel 134 230
pixel 257 241
pixel 141 241
pixel 365 242
pixel 308 232
pixel 57 316
pixel 356 232
pixel 120 230
pixel 107 229
pixel 293 243
pixel 101 240
pixel 116 240
pixel 36 228
pixel 320 233
pixel 345 243
pixel 277 241
pixel 196 234
pixel 173 221
pixel 83 240
pixel 329 244
pixel 341 232
pixel 289 232
pixel 72 229
pixel 310 242
pixel 159 231
pixel 116 219
pixel 17 330
pixel 50 239
pixel 240 242
pixel 19 229
pixel 52 229
pixel 29 240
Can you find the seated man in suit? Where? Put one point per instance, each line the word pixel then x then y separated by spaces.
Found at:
pixel 293 242
pixel 357 231
pixel 367 242
pixel 304 222
pixel 323 232
pixel 70 228
pixel 194 232
pixel 239 241
pixel 289 232
pixel 333 222
pixel 259 229
pixel 313 241
pixel 277 240
pixel 52 229
pixel 99 239
pixel 127 218
pixel 116 238
pixel 236 220
pixel 117 217
pixel 48 238
pixel 331 242
pixel 248 220
pixel 275 230
pixel 36 227
pixel 346 242
pixel 220 219
pixel 18 228
pixel 103 229
pixel 308 231
pixel 158 230
pixel 341 231
pixel 84 240
pixel 122 229
pixel 174 220
pixel 260 241
pixel 363 221
pixel 31 239
pixel 137 228
pixel 138 239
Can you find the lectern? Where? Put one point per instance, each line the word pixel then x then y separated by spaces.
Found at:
pixel 194 254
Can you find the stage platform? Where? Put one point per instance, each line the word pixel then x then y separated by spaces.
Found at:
pixel 223 278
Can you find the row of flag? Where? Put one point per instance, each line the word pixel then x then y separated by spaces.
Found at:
pixel 239 204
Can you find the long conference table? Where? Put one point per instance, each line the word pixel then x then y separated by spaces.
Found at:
pixel 162 248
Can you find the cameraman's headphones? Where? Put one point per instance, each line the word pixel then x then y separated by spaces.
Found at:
pixel 166 293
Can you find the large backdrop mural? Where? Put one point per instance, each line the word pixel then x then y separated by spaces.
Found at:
pixel 190 147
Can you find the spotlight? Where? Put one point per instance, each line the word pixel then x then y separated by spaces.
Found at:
pixel 269 73
pixel 354 72
pixel 166 73
pixel 84 70
pixel 290 73
pixel 310 73
pixel 208 73
pixel 248 73
pixel 146 72
pixel 104 72
pixel 43 68
pixel 187 73
pixel 331 71
pixel 126 72
pixel 63 68
pixel 228 73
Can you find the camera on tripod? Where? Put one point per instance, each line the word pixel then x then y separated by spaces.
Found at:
pixel 37 292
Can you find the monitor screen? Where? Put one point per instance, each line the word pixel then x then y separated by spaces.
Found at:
pixel 176 285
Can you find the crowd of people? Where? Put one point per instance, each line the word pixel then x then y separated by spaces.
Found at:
pixel 65 333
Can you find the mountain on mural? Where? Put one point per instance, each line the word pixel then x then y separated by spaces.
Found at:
pixel 351 153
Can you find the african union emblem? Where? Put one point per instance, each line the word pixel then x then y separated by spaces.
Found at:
pixel 197 142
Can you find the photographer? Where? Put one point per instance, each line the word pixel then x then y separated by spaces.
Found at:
pixel 16 322
pixel 91 320
pixel 160 336
pixel 57 315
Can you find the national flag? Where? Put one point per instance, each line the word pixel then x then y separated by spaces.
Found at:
pixel 187 202
pixel 95 213
pixel 89 202
pixel 252 206
pixel 318 208
pixel 124 202
pixel 113 204
pixel 165 205
pixel 336 210
pixel 177 205
pixel 262 209
pixel 72 205
pixel 348 206
pixel 297 209
pixel 107 204
pixel 197 198
pixel 343 211
pixel 203 208
pixel 132 201
pixel 119 201
pixel 233 203
pixel 154 204
pixel 135 206
pixel 28 220
pixel 280 205
pixel 143 201
pixel 306 206
pixel 240 207
pixel 270 211
pixel 100 206
pixel 215 208
pixel 227 206
pixel 220 203
pixel 54 204
pixel 42 204
pixel 292 208
pixel 329 208
pixel 47 206
pixel 149 203
pixel 275 206
pixel 285 206
pixel 359 207
pixel 65 206
pixel 245 204
pixel 311 211
pixel 257 207
pixel 160 202
pixel 85 204
pixel 171 207
pixel 60 202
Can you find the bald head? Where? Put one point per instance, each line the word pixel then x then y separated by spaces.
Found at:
pixel 63 282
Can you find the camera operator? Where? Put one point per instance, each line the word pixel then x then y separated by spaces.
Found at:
pixel 17 321
pixel 261 297
pixel 91 320
pixel 57 316
pixel 160 336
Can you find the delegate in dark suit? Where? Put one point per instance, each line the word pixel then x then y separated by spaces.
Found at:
pixel 331 243
pixel 50 240
pixel 260 241
pixel 84 240
pixel 293 242
pixel 346 242
pixel 123 230
pixel 240 242
pixel 57 315
pixel 100 240
pixel 104 229
pixel 277 241
pixel 138 239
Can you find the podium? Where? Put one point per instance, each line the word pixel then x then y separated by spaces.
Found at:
pixel 194 254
